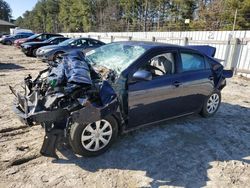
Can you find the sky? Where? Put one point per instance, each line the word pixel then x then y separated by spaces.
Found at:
pixel 18 7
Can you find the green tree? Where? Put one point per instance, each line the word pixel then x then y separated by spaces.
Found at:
pixel 5 10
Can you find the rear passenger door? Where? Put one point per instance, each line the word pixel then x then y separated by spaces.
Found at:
pixel 196 80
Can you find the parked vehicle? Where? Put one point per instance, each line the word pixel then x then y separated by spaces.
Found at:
pixel 51 53
pixel 10 39
pixel 30 48
pixel 36 38
pixel 3 36
pixel 17 30
pixel 119 87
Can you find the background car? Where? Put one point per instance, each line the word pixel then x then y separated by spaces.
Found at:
pixel 36 38
pixel 30 48
pixel 10 39
pixel 51 53
pixel 3 36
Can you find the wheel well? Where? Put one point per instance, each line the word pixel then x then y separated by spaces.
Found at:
pixel 117 118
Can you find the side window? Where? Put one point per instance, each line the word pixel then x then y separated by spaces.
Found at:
pixel 45 37
pixel 39 37
pixel 84 43
pixel 163 64
pixel 94 43
pixel 191 61
pixel 55 41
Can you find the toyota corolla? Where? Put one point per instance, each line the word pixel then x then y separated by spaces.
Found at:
pixel 90 99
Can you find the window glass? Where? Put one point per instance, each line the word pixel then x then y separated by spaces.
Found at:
pixel 79 43
pixel 161 64
pixel 94 43
pixel 39 37
pixel 55 41
pixel 115 56
pixel 192 62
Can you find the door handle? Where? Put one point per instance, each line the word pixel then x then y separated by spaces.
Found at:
pixel 211 77
pixel 177 83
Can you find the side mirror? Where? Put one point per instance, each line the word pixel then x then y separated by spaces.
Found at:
pixel 142 75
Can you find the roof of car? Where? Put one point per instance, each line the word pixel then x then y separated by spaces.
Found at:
pixel 147 44
pixel 158 45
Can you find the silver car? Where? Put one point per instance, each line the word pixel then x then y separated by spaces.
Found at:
pixel 52 52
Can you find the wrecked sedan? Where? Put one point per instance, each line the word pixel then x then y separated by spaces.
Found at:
pixel 89 99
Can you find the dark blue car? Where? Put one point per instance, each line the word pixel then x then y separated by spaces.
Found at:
pixel 119 87
pixel 10 39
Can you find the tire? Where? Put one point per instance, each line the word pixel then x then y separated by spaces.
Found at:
pixel 84 143
pixel 211 104
pixel 34 52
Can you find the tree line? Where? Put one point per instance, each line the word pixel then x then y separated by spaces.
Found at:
pixel 136 15
pixel 5 11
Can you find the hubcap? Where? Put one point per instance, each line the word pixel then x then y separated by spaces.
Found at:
pixel 96 135
pixel 213 103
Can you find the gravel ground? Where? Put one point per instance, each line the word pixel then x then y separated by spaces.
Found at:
pixel 186 152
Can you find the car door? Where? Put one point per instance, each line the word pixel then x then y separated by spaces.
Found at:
pixel 156 99
pixel 196 80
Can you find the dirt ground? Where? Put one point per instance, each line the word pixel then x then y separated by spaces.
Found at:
pixel 186 152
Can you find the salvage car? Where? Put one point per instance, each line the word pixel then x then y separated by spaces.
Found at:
pixel 30 48
pixel 10 39
pixel 89 99
pixel 51 53
pixel 35 38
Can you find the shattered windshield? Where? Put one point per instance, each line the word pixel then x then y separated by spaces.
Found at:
pixel 115 56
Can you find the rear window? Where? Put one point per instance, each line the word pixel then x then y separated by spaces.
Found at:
pixel 192 62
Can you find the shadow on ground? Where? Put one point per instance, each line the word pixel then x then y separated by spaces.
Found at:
pixel 180 152
pixel 9 66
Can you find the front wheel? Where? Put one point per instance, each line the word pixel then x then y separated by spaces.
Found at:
pixel 34 52
pixel 211 104
pixel 95 138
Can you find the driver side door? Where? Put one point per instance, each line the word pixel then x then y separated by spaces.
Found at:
pixel 159 98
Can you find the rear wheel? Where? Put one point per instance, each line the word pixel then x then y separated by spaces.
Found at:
pixel 211 104
pixel 95 138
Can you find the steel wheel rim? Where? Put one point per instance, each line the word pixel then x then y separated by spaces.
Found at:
pixel 213 103
pixel 96 135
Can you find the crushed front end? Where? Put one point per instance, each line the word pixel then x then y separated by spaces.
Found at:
pixel 67 92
